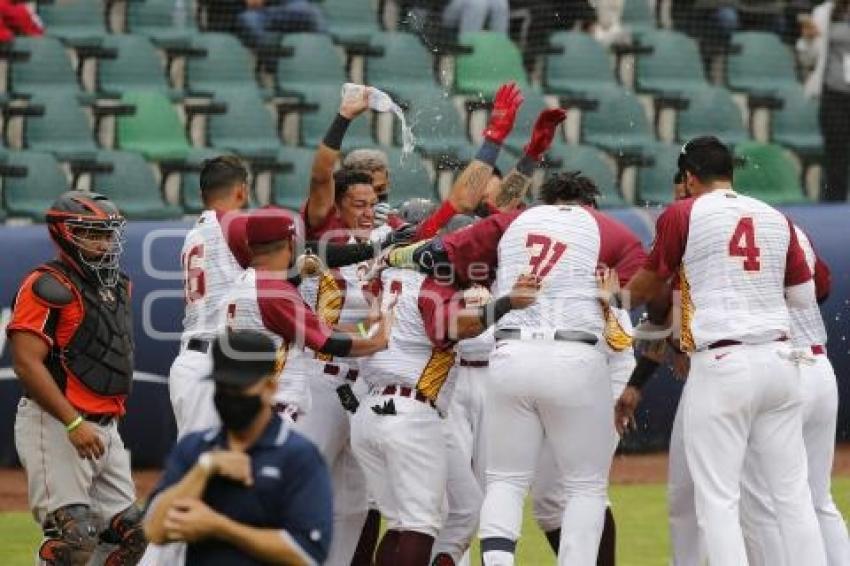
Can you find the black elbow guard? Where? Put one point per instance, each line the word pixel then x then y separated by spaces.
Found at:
pixel 340 255
pixel 337 344
pixel 431 257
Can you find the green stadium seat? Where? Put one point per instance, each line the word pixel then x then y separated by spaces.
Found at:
pixel 583 68
pixel 495 60
pixel 533 105
pixel 132 186
pixel 637 17
pixel 155 130
pixel 155 19
pixel 32 195
pixel 136 67
pixel 351 21
pixel 48 69
pixel 408 177
pixel 289 189
pixel 796 124
pixel 655 182
pixel 767 174
pixel 405 63
pixel 592 163
pixel 712 111
pixel 764 64
pixel 75 21
pixel 316 62
pixel 673 68
pixel 315 124
pixel 190 181
pixel 63 130
pixel 619 124
pixel 247 128
pixel 227 64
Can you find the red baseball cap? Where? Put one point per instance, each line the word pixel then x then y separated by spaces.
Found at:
pixel 269 225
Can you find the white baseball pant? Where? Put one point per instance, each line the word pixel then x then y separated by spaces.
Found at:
pixel 559 390
pixel 404 459
pixel 747 399
pixel 761 530
pixel 465 459
pixel 328 426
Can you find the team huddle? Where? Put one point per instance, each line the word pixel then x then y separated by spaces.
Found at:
pixel 446 358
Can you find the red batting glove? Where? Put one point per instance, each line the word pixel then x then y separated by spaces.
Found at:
pixel 505 106
pixel 544 132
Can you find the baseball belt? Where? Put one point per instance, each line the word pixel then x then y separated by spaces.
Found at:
pixel 558 336
pixel 198 345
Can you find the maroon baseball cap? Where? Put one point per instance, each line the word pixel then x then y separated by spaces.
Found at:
pixel 269 225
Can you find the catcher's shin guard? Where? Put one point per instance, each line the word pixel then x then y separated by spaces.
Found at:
pixel 70 537
pixel 125 530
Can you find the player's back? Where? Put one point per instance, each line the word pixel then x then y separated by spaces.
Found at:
pixel 561 244
pixel 734 264
pixel 209 271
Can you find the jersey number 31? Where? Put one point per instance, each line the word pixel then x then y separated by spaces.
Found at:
pixel 743 244
pixel 545 253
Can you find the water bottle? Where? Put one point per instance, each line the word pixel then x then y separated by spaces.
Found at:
pixel 379 101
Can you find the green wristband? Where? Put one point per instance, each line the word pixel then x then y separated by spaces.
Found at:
pixel 75 424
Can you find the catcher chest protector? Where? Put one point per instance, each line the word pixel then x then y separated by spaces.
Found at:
pixel 100 353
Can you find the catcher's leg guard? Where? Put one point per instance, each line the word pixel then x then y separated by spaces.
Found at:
pixel 70 536
pixel 125 530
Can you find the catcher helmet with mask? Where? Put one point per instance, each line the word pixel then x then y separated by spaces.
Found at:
pixel 89 231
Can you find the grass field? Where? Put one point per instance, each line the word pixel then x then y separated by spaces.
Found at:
pixel 641 529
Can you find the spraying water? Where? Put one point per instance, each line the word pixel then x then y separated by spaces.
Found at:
pixel 379 101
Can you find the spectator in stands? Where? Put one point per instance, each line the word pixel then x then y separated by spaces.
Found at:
pixel 17 18
pixel 470 15
pixel 261 21
pixel 713 21
pixel 825 42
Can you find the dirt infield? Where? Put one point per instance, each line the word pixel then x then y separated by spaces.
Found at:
pixel 628 469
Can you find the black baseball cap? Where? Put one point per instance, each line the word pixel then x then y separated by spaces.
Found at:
pixel 707 158
pixel 242 358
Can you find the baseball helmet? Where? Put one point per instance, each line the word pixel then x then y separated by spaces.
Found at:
pixel 415 210
pixel 89 231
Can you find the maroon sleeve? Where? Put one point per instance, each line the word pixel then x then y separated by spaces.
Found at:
pixel 619 247
pixel 286 314
pixel 796 268
pixel 473 252
pixel 233 225
pixel 438 305
pixel 429 227
pixel 330 222
pixel 671 237
pixel 823 279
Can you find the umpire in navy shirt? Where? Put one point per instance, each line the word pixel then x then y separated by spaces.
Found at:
pixel 254 491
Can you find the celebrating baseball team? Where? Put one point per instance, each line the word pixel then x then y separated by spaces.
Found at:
pixel 427 367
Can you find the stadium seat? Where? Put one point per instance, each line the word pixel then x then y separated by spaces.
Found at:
pixel 764 64
pixel 712 111
pixel 246 128
pixel 227 65
pixel 592 163
pixel 132 186
pixel 408 177
pixel 155 130
pixel 190 180
pixel 583 68
pixel 289 189
pixel 619 124
pixel 315 124
pixel 80 22
pixel 351 21
pixel 673 68
pixel 63 130
pixel 655 182
pixel 316 62
pixel 439 128
pixel 405 63
pixel 637 17
pixel 494 60
pixel 30 196
pixel 155 20
pixel 532 106
pixel 136 67
pixel 796 124
pixel 768 174
pixel 48 69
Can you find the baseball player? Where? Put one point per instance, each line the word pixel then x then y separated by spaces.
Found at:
pixel 738 262
pixel 72 348
pixel 397 435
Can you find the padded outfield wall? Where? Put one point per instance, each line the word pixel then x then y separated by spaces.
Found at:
pixel 152 261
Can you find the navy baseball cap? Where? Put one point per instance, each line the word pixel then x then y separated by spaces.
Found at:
pixel 242 358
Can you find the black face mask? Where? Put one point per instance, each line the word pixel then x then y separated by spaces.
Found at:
pixel 237 411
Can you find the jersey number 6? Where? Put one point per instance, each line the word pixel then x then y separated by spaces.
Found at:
pixel 544 257
pixel 743 244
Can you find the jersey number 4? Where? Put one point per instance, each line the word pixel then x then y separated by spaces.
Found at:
pixel 193 274
pixel 743 244
pixel 545 253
